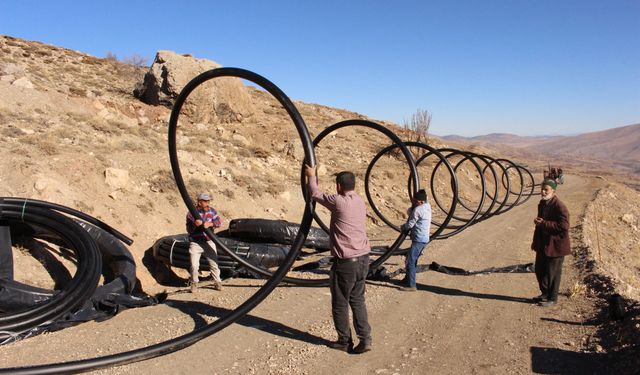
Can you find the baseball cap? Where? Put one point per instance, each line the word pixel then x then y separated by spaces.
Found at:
pixel 204 197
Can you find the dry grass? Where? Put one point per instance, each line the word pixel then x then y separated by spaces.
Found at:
pixel 162 181
pixel 259 152
pixel 196 186
pixel 11 131
pixel 66 132
pixel 77 91
pixel 578 289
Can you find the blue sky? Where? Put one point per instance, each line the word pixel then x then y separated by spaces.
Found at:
pixel 542 67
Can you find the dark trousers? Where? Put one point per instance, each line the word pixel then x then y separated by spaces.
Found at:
pixel 548 272
pixel 347 284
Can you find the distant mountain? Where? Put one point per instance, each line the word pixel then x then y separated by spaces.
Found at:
pixel 617 144
pixel 618 147
pixel 501 138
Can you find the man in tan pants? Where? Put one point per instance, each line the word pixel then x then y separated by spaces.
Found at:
pixel 199 242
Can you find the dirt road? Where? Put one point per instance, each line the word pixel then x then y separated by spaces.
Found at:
pixel 482 324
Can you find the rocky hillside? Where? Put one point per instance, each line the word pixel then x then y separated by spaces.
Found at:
pixel 74 133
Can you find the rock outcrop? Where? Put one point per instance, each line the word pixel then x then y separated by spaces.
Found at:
pixel 221 100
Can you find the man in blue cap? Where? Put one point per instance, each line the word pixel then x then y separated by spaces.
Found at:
pixel 199 242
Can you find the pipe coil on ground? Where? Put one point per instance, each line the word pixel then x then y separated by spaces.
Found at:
pixel 85 279
pixel 193 337
pixel 174 250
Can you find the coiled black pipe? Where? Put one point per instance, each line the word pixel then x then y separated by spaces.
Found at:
pixel 193 337
pixel 455 229
pixel 85 279
pixel 501 206
pixel 430 151
pixel 532 185
pixel 174 250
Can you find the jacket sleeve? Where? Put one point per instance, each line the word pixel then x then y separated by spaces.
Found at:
pixel 561 225
pixel 191 226
pixel 217 222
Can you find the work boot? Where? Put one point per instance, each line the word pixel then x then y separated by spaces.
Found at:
pixel 193 287
pixel 362 347
pixel 217 285
pixel 540 298
pixel 340 345
pixel 408 288
pixel 547 303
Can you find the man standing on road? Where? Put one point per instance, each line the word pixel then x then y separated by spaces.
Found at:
pixel 200 244
pixel 418 222
pixel 350 250
pixel 550 242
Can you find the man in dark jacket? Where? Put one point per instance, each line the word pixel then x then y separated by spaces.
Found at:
pixel 550 242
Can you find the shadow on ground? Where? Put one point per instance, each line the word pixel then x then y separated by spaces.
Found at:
pixel 196 310
pixel 458 292
pixel 558 361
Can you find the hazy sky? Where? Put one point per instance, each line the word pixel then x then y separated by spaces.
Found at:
pixel 479 66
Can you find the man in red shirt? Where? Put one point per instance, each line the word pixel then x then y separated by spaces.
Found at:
pixel 350 250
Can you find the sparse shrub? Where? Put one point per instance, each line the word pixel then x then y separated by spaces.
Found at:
pixel 83 207
pixel 275 187
pixel 241 151
pixel 45 145
pixel 43 52
pixel 132 145
pixel 196 186
pixel 136 60
pixel 105 128
pixel 77 91
pixel 91 60
pixel 110 56
pixel 228 193
pixel 248 183
pixel 418 128
pixel 578 289
pixel 12 132
pixel 162 181
pixel 146 208
pixel 79 116
pixel 226 214
pixel 242 180
pixel 173 201
pixel 66 132
pixel 261 153
pixel 118 124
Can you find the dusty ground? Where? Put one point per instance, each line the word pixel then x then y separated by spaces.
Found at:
pixel 79 119
pixel 453 324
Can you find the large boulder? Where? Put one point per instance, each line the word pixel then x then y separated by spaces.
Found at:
pixel 221 100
